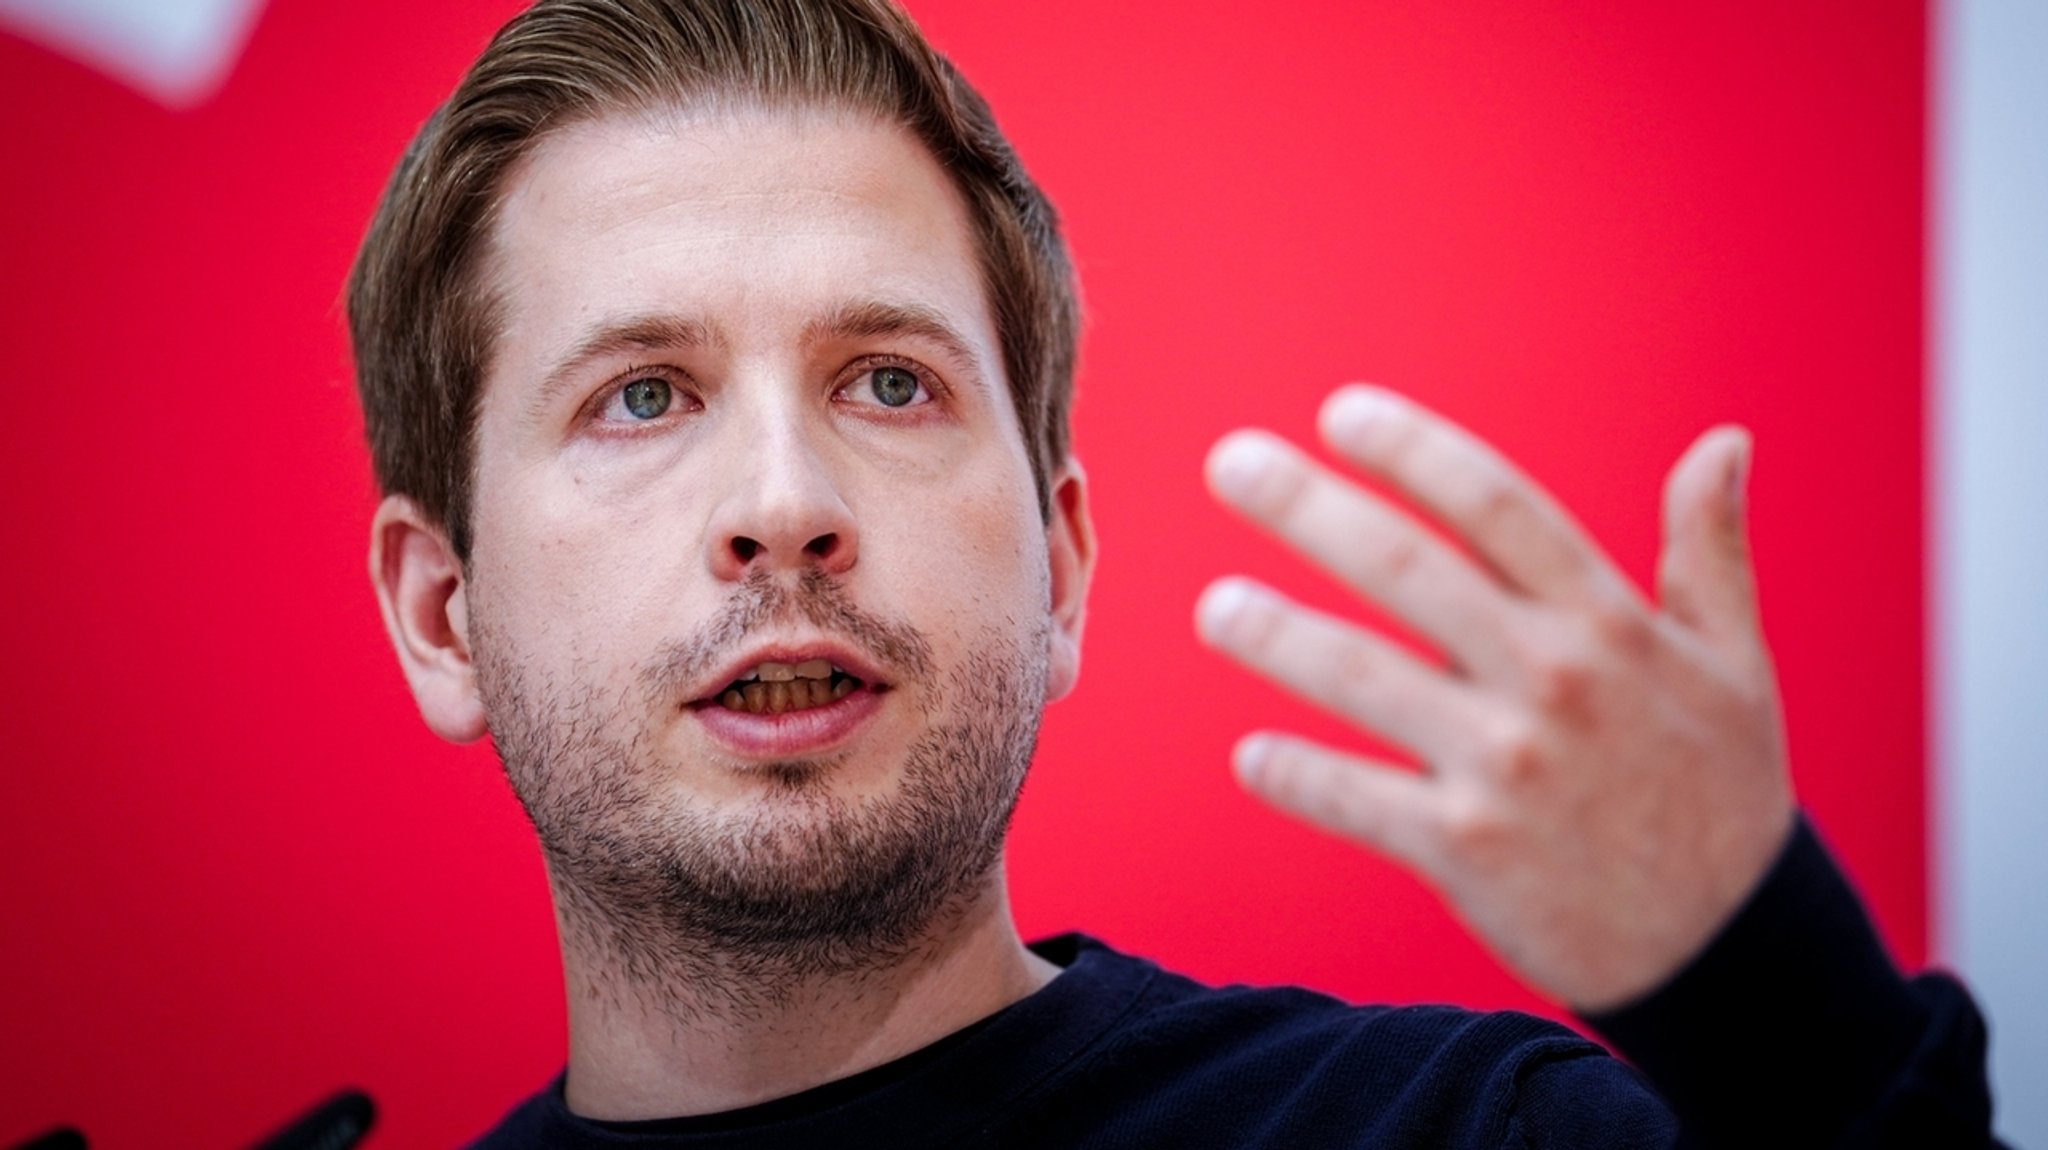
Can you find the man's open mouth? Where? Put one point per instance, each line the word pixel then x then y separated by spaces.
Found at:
pixel 775 688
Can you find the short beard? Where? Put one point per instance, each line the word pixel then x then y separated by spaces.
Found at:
pixel 732 913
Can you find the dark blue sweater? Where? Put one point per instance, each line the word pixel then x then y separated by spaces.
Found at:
pixel 1792 1029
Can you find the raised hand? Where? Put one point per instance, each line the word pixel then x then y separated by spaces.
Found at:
pixel 1603 779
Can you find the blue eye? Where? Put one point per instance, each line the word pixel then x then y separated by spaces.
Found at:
pixel 894 386
pixel 647 398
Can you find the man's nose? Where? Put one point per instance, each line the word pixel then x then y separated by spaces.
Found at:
pixel 783 508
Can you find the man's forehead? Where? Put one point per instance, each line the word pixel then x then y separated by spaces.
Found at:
pixel 722 171
pixel 740 210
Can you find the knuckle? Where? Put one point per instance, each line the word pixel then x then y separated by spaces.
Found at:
pixel 1513 750
pixel 1620 628
pixel 1399 558
pixel 1563 686
pixel 1357 673
pixel 1496 507
pixel 1291 779
pixel 1471 828
pixel 1566 664
pixel 1755 691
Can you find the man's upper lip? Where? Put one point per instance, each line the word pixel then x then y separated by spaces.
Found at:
pixel 841 655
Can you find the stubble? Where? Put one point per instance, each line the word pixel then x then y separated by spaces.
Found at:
pixel 731 910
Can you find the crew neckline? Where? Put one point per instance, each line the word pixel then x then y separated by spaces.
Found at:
pixel 963 1080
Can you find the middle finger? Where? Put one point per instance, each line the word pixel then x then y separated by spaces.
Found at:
pixel 1364 541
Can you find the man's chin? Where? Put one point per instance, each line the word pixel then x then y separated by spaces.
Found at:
pixel 793 778
pixel 801 866
pixel 680 861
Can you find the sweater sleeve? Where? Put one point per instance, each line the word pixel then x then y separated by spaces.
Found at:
pixel 1794 1028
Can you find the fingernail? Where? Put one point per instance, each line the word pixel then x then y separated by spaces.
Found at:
pixel 1738 472
pixel 1223 601
pixel 1239 462
pixel 1350 414
pixel 1248 760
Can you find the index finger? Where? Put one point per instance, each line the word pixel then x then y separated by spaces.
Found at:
pixel 1363 540
pixel 1507 520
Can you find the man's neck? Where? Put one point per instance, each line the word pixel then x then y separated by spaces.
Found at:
pixel 635 1053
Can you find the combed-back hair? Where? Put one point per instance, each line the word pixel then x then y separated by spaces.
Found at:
pixel 422 316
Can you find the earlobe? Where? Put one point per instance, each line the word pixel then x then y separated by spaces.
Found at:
pixel 1070 554
pixel 422 594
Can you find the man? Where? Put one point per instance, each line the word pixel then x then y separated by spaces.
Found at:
pixel 716 359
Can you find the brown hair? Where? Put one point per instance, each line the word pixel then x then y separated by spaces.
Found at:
pixel 422 321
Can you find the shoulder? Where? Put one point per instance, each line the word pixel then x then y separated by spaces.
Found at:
pixel 1244 1065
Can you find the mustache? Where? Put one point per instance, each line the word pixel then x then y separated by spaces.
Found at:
pixel 762 601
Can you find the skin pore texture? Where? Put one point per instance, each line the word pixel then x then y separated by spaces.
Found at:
pixel 747 412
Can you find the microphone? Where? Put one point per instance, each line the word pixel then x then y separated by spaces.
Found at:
pixel 62 1138
pixel 336 1124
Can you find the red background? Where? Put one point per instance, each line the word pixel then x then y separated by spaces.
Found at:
pixel 239 872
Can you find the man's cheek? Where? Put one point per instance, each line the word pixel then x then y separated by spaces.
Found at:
pixel 644 544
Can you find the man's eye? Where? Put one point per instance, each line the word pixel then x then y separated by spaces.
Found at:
pixel 646 398
pixel 895 386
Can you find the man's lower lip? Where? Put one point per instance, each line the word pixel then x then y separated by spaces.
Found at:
pixel 791 733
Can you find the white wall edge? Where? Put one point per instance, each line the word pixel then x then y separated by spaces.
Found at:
pixel 1988 536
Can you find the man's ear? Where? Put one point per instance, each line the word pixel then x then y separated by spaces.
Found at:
pixel 1070 553
pixel 421 592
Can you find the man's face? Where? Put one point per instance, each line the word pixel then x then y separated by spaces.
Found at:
pixel 759 603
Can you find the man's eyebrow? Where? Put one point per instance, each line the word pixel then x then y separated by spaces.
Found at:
pixel 630 333
pixel 866 319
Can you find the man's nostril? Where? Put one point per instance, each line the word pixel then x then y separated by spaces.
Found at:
pixel 823 545
pixel 745 548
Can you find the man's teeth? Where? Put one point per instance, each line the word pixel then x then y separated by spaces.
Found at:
pixel 786 672
pixel 773 688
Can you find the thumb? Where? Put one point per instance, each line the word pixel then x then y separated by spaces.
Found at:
pixel 1704 577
